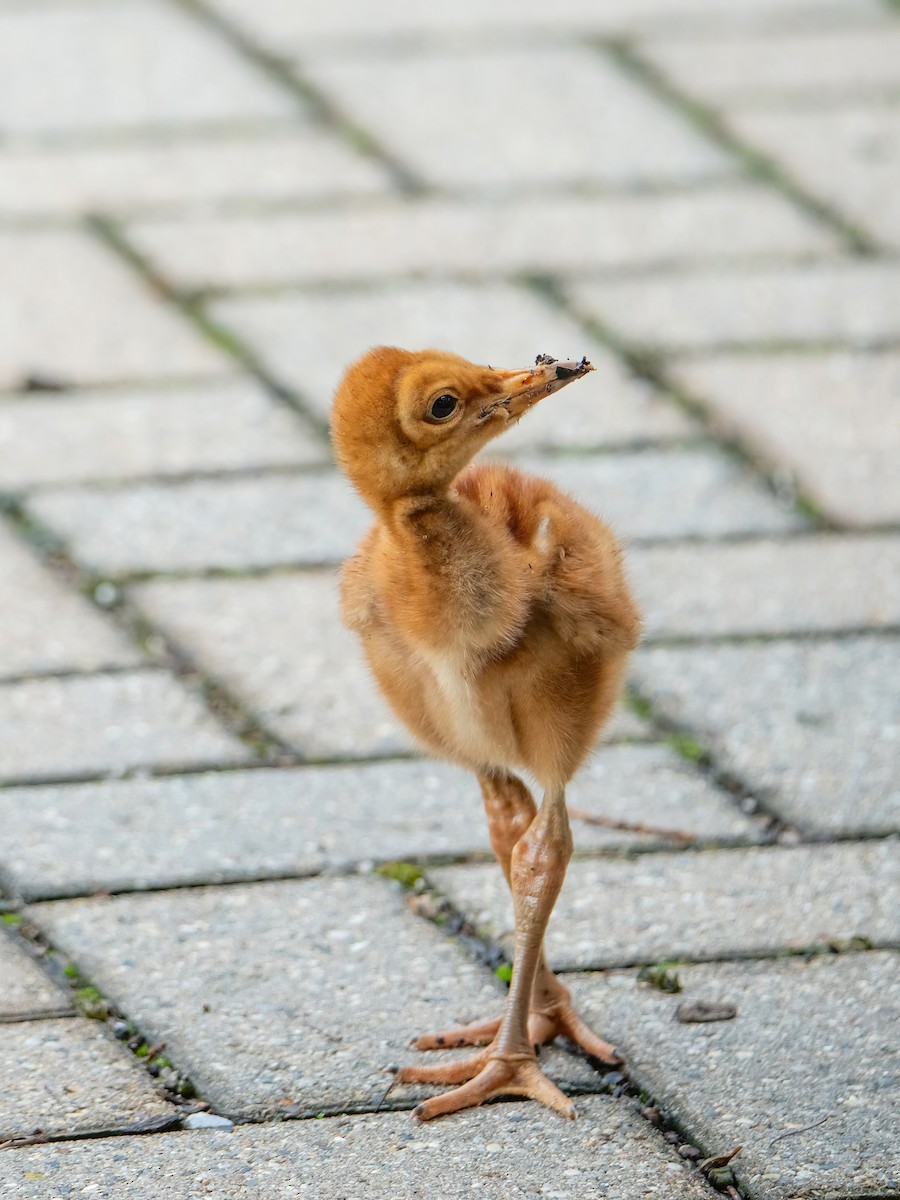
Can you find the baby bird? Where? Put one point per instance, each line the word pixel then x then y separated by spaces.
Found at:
pixel 497 620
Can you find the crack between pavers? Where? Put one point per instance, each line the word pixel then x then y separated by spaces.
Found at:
pixel 312 102
pixel 758 164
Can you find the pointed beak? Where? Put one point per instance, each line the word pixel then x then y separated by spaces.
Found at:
pixel 523 389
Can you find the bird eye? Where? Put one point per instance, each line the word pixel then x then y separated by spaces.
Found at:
pixel 443 406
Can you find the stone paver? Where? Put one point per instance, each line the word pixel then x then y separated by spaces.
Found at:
pixel 523 1151
pixel 545 234
pixel 191 173
pixel 713 904
pixel 51 324
pixel 308 338
pixel 799 585
pixel 472 136
pixel 164 430
pixel 316 517
pixel 244 825
pixel 238 523
pixel 804 1079
pixel 811 65
pixel 105 725
pixel 851 157
pixel 122 64
pixel 279 644
pixel 25 991
pixel 853 303
pixel 46 626
pixel 70 1076
pixel 288 23
pixel 299 993
pixel 814 725
pixel 834 420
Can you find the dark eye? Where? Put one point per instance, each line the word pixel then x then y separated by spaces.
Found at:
pixel 443 407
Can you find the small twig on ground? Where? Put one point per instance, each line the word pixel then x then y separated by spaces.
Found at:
pixel 677 835
pixel 803 1129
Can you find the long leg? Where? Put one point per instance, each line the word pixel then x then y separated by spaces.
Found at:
pixel 537 869
pixel 510 809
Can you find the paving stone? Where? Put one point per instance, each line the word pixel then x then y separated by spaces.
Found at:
pixel 800 66
pixel 712 904
pixel 70 311
pixel 105 725
pixel 802 1080
pixel 279 644
pixel 289 24
pixel 447 236
pixel 122 65
pixel 244 825
pixel 473 136
pixel 25 991
pixel 316 517
pixel 47 627
pixel 307 340
pixel 164 430
pixel 849 156
pixel 833 420
pixel 852 302
pixel 525 1150
pixel 238 522
pixel 799 585
pixel 69 1076
pixel 192 173
pixel 812 725
pixel 299 993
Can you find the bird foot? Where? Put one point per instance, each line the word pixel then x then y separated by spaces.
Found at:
pixel 482 1077
pixel 555 1019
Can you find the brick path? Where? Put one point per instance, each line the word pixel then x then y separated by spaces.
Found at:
pixel 206 208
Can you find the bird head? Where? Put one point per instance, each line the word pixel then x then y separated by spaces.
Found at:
pixel 406 422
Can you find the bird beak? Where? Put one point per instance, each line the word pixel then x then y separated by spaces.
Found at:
pixel 523 389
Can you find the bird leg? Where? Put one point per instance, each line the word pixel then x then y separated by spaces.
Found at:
pixel 510 809
pixel 508 1066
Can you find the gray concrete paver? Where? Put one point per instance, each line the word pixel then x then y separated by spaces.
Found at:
pixel 308 339
pixel 119 433
pixel 70 1076
pixel 25 991
pixel 191 173
pixel 803 1079
pixel 241 825
pixel 736 903
pixel 850 156
pixel 316 517
pixel 300 993
pixel 287 23
pixel 812 725
pixel 740 70
pixel 819 583
pixel 522 1151
pixel 87 725
pixel 475 136
pixel 554 234
pixel 53 325
pixel 833 420
pixel 47 627
pixel 853 303
pixel 121 66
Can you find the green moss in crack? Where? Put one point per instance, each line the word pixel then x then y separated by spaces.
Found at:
pixel 408 874
pixel 661 976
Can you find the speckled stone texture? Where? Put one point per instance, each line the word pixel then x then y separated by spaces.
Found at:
pixel 714 904
pixel 299 994
pixel 824 756
pixel 70 1076
pixel 234 825
pixel 804 1078
pixel 522 1150
pixel 25 991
